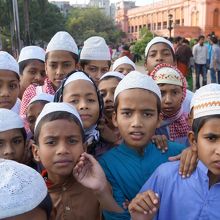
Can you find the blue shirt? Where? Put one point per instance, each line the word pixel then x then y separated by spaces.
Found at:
pixel 127 170
pixel 182 199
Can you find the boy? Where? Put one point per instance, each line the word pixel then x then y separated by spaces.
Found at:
pixel 59 144
pixel 165 195
pixel 9 82
pixel 137 104
pixel 22 191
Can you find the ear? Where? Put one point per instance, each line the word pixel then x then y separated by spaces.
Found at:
pixel 192 140
pixel 159 120
pixel 114 119
pixel 46 67
pixel 35 152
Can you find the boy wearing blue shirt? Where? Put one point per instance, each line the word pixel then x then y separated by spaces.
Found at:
pixel 137 101
pixel 165 195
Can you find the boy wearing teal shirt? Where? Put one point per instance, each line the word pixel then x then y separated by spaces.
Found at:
pixel 137 101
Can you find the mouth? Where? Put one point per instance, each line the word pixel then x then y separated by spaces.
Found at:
pixel 217 164
pixel 109 108
pixel 136 135
pixel 63 162
pixel 85 116
pixel 4 102
pixel 168 109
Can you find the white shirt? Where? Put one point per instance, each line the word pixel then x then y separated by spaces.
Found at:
pixel 200 54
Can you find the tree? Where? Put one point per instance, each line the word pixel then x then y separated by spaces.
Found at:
pixel 87 22
pixel 145 37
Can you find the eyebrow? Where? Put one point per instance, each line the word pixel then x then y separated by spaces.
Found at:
pixel 56 136
pixel 78 95
pixel 145 109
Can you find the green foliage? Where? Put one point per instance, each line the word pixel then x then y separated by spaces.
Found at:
pixel 86 22
pixel 145 37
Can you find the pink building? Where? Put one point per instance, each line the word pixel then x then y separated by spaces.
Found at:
pixel 188 18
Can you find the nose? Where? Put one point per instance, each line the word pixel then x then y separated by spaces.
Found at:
pixel 217 150
pixel 83 104
pixel 9 150
pixel 60 72
pixel 159 57
pixel 136 121
pixel 108 97
pixel 62 149
pixel 4 92
pixel 167 99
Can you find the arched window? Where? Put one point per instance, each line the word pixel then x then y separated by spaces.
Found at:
pixel 216 18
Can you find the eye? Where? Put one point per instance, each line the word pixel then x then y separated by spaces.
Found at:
pixel 103 94
pixel 73 141
pixel 91 100
pixel 13 86
pixel 152 54
pixel 43 74
pixel 211 138
pixel 74 101
pixel 1 143
pixel 147 114
pixel 50 142
pixel 31 120
pixel 126 114
pixel 66 65
pixel 93 69
pixel 53 65
pixel 17 141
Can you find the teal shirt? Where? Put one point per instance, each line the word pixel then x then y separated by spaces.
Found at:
pixel 127 170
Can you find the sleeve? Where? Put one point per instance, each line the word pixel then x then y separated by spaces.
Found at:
pixel 117 194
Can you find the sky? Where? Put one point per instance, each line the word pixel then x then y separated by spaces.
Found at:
pixel 138 2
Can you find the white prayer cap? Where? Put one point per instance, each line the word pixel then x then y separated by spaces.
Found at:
pixel 157 40
pixel 9 120
pixel 62 41
pixel 123 60
pixel 167 74
pixel 21 188
pixel 95 48
pixel 206 101
pixel 8 62
pixel 57 107
pixel 137 80
pixel 76 76
pixel 32 52
pixel 42 97
pixel 113 74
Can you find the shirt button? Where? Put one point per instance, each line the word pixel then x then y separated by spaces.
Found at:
pixel 67 208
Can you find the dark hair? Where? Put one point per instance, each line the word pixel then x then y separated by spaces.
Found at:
pixel 24 63
pixel 201 37
pixel 86 62
pixel 178 39
pixel 199 122
pixel 74 56
pixel 24 133
pixel 158 102
pixel 110 77
pixel 56 116
pixel 59 93
pixel 214 39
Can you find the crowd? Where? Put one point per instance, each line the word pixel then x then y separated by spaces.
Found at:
pixel 86 139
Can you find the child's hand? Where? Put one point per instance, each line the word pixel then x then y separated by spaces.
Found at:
pixel 188 161
pixel 143 205
pixel 161 142
pixel 89 173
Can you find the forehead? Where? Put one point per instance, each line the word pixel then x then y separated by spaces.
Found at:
pixel 10 133
pixel 80 87
pixel 211 125
pixel 98 63
pixel 8 75
pixel 36 106
pixel 59 56
pixel 169 87
pixel 109 82
pixel 125 65
pixel 35 63
pixel 136 98
pixel 159 47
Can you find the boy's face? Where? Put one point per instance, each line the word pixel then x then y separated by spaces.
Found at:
pixel 58 64
pixel 59 148
pixel 82 95
pixel 33 111
pixel 136 117
pixel 12 145
pixel 107 90
pixel 33 73
pixel 158 53
pixel 171 98
pixel 208 145
pixel 96 68
pixel 9 89
pixel 124 68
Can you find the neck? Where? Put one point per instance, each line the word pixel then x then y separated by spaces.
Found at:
pixel 213 179
pixel 57 179
pixel 140 150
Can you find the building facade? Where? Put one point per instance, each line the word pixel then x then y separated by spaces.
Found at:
pixel 186 18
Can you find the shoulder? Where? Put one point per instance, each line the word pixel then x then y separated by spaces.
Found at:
pixel 110 155
pixel 175 147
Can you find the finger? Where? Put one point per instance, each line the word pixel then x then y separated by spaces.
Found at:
pixel 182 162
pixel 175 158
pixel 164 140
pixel 186 164
pixel 193 165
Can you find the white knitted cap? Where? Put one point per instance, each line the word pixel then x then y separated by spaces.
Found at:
pixel 9 120
pixel 8 62
pixel 113 74
pixel 156 40
pixel 56 107
pixel 62 41
pixel 21 188
pixel 76 76
pixel 42 97
pixel 137 80
pixel 32 52
pixel 123 60
pixel 95 48
pixel 206 101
